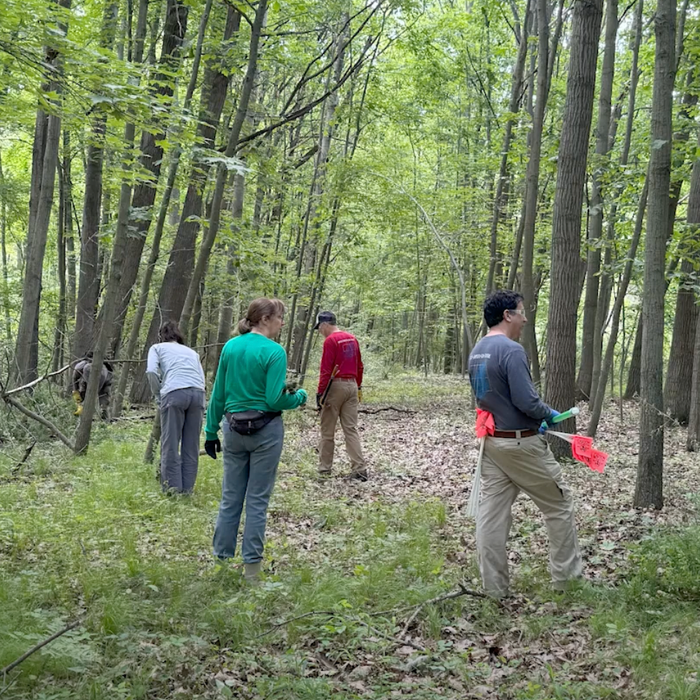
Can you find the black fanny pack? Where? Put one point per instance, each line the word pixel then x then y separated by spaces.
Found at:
pixel 249 422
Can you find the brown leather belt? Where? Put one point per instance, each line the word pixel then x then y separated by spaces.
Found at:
pixel 514 434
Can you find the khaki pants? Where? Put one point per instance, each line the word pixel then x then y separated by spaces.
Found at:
pixel 508 467
pixel 342 402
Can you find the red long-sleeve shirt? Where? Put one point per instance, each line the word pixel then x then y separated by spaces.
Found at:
pixel 341 349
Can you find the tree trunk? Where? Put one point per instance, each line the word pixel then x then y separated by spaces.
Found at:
pixel 568 200
pixel 63 204
pixel 605 370
pixel 89 281
pixel 693 444
pixel 677 389
pixel 151 148
pixel 3 246
pixel 222 173
pixel 527 286
pixel 178 271
pixel 82 437
pixel 649 487
pixel 47 135
pixel 513 107
pixel 160 224
pixel 600 165
pixel 226 312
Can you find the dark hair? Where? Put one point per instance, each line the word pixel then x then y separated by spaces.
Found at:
pixel 170 331
pixel 257 311
pixel 497 303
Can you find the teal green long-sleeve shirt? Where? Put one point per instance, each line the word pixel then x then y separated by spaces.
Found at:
pixel 251 376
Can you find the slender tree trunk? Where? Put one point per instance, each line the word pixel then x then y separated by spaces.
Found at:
pixel 649 487
pixel 566 228
pixel 89 282
pixel 178 271
pixel 693 443
pixel 678 385
pixel 82 437
pixel 602 309
pixel 160 225
pixel 527 286
pixel 3 246
pixel 44 163
pixel 603 146
pixel 63 203
pixel 513 107
pixel 618 308
pixel 144 193
pixel 226 313
pixel 221 177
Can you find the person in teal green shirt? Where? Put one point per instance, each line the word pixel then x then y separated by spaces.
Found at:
pixel 249 391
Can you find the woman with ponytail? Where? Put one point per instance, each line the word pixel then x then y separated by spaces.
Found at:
pixel 249 393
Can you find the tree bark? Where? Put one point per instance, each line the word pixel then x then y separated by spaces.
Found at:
pixel 47 135
pixel 606 366
pixel 226 313
pixel 160 223
pixel 144 193
pixel 568 200
pixel 649 487
pixel 693 440
pixel 178 271
pixel 82 437
pixel 527 287
pixel 600 165
pixel 513 107
pixel 3 246
pixel 222 173
pixel 89 281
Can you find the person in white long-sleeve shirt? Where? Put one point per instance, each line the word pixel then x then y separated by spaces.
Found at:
pixel 176 378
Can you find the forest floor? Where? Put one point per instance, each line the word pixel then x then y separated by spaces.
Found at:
pixel 348 564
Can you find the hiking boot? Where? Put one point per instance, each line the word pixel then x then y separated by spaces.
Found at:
pixel 252 573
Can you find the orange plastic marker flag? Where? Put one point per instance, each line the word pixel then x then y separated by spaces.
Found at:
pixel 485 424
pixel 583 451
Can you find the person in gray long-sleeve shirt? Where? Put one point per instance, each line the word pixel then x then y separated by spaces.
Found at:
pixel 517 457
pixel 176 378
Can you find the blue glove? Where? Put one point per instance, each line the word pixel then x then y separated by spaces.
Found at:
pixel 302 393
pixel 547 423
pixel 552 417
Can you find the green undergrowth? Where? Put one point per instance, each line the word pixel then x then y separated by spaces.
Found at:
pixel 93 539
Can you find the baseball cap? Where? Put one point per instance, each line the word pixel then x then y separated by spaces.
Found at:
pixel 325 317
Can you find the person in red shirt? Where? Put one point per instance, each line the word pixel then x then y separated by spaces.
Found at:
pixel 339 393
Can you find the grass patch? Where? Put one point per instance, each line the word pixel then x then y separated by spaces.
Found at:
pixel 94 538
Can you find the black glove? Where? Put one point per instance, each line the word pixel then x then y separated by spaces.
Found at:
pixel 211 447
pixel 319 406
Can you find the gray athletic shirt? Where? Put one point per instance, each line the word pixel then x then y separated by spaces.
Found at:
pixel 500 376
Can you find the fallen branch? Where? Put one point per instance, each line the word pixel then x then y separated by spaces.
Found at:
pixel 25 457
pixel 50 639
pixel 39 419
pixel 371 412
pixel 33 383
pixel 450 596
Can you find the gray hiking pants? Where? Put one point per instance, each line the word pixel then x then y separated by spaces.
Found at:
pixel 510 466
pixel 181 415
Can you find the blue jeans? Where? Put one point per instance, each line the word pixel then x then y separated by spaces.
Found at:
pixel 250 468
